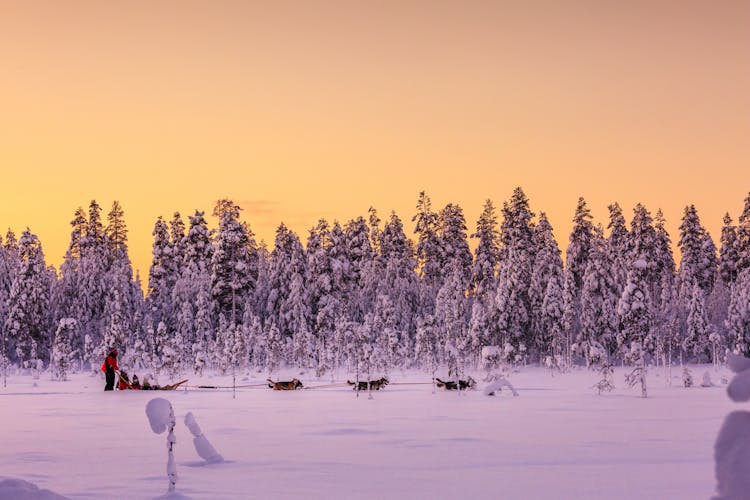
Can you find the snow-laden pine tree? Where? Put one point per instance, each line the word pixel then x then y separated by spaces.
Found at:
pixel 698 262
pixel 323 306
pixel 274 348
pixel 696 340
pixel 576 261
pixel 93 284
pixel 27 324
pixel 487 254
pixel 512 302
pixel 120 302
pixel 234 265
pixel 360 256
pixel 547 267
pixel 191 295
pixel 161 277
pixel 62 351
pixel 743 237
pixel 450 320
pixel 453 242
pixel 67 293
pixel 428 250
pixel 426 347
pixel 634 309
pixel 553 310
pixel 600 322
pixel 295 315
pixel 400 284
pixel 738 315
pixel 618 243
pixel 728 254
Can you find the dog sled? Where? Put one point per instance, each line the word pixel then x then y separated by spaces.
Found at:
pixel 125 384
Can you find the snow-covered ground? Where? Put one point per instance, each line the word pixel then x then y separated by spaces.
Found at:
pixel 557 439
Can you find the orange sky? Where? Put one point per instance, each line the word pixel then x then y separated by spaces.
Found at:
pixel 302 109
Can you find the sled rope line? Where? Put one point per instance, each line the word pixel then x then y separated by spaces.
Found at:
pixel 226 386
pixel 340 384
pixel 411 383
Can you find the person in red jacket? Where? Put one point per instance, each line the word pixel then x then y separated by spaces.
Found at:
pixel 109 368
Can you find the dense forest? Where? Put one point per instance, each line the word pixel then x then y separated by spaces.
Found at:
pixel 363 296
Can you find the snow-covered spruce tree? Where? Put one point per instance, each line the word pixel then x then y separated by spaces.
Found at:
pixel 387 334
pixel 234 265
pixel 743 237
pixel 401 285
pixel 576 261
pixel 27 324
pixel 450 320
pixel 363 351
pixel 426 348
pixel 698 262
pixel 665 304
pixel 618 243
pixel 120 302
pixel 454 245
pixel 62 352
pixel 696 340
pixel 67 303
pixel 487 254
pixel 166 351
pixel 428 250
pixel 553 310
pixel 375 232
pixel 296 317
pixel 91 353
pixel 255 340
pixel 93 284
pixel 634 309
pixel 161 277
pixel 360 257
pixel 177 237
pixel 287 259
pixel 600 322
pixel 728 254
pixel 319 281
pixel 482 329
pixel 738 315
pixel 274 348
pixel 512 303
pixel 547 267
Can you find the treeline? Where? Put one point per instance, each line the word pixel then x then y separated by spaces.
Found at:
pixel 363 296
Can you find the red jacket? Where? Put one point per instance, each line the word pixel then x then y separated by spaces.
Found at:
pixel 111 361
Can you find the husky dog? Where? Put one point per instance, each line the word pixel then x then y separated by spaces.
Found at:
pixel 372 384
pixel 285 386
pixel 462 385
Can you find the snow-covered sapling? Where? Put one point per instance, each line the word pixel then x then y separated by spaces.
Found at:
pixel 202 446
pixel 161 417
pixel 497 384
pixel 687 377
pixel 605 384
pixel 707 382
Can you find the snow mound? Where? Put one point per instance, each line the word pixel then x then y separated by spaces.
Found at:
pixel 202 446
pixel 159 412
pixel 732 454
pixel 739 388
pixel 738 363
pixel 18 489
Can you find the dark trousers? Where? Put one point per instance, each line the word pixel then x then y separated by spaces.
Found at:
pixel 110 376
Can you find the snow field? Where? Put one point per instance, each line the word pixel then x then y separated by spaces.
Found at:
pixel 558 439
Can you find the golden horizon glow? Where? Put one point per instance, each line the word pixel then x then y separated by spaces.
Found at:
pixel 303 110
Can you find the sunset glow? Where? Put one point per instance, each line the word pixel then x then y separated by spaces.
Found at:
pixel 302 110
